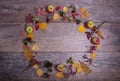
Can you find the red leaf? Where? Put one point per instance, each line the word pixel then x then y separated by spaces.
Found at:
pixel 58 8
pixel 85 56
pixel 22 33
pixel 93 47
pixel 29 18
pixel 37 27
pixel 74 14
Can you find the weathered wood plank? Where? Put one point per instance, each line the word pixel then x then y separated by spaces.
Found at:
pixel 101 10
pixel 107 66
pixel 58 37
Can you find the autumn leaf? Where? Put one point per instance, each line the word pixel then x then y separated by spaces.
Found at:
pixel 39 72
pixel 100 34
pixel 42 26
pixel 75 64
pixel 84 13
pixel 27 52
pixel 99 47
pixel 65 9
pixel 56 16
pixel 81 28
pixel 59 75
pixel 85 68
pixel 35 66
pixel 79 69
pixel 35 47
pixel 93 55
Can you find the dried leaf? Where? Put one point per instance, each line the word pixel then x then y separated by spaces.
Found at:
pixel 22 33
pixel 82 10
pixel 82 17
pixel 79 69
pixel 29 18
pixel 87 14
pixel 59 75
pixel 39 72
pixel 93 56
pixel 100 34
pixel 99 47
pixel 56 16
pixel 81 28
pixel 84 13
pixel 35 66
pixel 75 65
pixel 85 68
pixel 27 52
pixel 35 47
pixel 65 9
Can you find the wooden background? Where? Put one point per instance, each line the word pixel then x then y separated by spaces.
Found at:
pixel 60 40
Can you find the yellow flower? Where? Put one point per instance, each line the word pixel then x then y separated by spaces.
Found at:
pixel 79 69
pixel 81 28
pixel 30 35
pixel 75 65
pixel 99 47
pixel 39 72
pixel 42 26
pixel 59 75
pixel 35 66
pixel 93 55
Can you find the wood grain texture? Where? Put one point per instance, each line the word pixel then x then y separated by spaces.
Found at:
pixel 60 41
pixel 58 37
pixel 13 11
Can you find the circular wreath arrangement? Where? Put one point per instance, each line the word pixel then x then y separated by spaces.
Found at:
pixel 77 15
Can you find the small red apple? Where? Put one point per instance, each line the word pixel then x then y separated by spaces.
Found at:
pixel 89 24
pixel 95 40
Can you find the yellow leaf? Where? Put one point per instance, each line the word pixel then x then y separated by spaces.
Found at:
pixel 81 28
pixel 75 65
pixel 82 16
pixel 35 47
pixel 82 10
pixel 93 55
pixel 39 72
pixel 65 9
pixel 35 66
pixel 59 75
pixel 56 16
pixel 99 47
pixel 85 68
pixel 79 69
pixel 87 14
pixel 27 52
pixel 30 35
pixel 42 26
